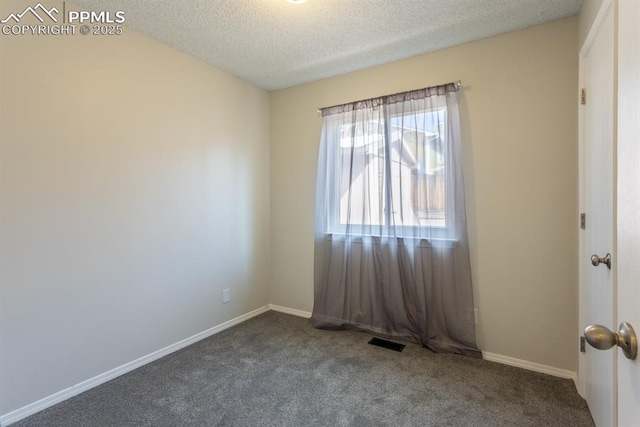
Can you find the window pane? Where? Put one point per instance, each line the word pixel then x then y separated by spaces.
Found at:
pixel 362 168
pixel 403 170
pixel 418 169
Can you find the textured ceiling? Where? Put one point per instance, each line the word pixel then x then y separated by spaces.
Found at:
pixel 275 44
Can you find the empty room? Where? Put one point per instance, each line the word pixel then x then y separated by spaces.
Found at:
pixel 319 212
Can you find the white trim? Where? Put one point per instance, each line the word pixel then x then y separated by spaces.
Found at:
pixel 581 385
pixel 68 393
pixel 491 357
pixel 606 8
pixel 288 310
pixel 531 366
pixel 598 22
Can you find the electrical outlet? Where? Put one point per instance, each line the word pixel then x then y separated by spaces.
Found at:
pixel 226 296
pixel 472 315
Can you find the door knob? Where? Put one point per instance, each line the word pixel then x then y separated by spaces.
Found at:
pixel 602 338
pixel 596 260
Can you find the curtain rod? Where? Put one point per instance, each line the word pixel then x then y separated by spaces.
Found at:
pixel 457 85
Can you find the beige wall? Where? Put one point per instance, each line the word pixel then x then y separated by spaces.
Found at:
pixel 133 189
pixel 135 186
pixel 520 125
pixel 587 15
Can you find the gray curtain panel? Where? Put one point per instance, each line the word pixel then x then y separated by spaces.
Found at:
pixel 391 247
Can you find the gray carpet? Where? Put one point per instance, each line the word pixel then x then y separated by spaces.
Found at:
pixel 276 370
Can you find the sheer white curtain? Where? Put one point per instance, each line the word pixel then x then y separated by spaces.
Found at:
pixel 391 248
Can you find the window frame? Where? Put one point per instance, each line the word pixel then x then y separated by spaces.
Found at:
pixel 335 227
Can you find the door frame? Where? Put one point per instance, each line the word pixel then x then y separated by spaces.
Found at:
pixel 607 6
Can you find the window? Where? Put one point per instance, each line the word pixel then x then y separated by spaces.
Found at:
pixel 391 248
pixel 389 172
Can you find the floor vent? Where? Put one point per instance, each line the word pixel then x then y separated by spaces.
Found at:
pixel 387 344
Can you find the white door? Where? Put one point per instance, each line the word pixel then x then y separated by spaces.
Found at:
pixel 628 217
pixel 608 380
pixel 597 369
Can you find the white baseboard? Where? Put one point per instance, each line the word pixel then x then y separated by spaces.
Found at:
pixel 492 357
pixel 531 366
pixel 288 310
pixel 68 393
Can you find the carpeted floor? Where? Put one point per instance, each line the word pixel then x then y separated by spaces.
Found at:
pixel 276 370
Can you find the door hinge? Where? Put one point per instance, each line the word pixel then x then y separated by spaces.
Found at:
pixel 583 342
pixel 583 96
pixel 583 221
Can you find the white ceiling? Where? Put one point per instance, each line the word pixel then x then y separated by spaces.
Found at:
pixel 275 44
